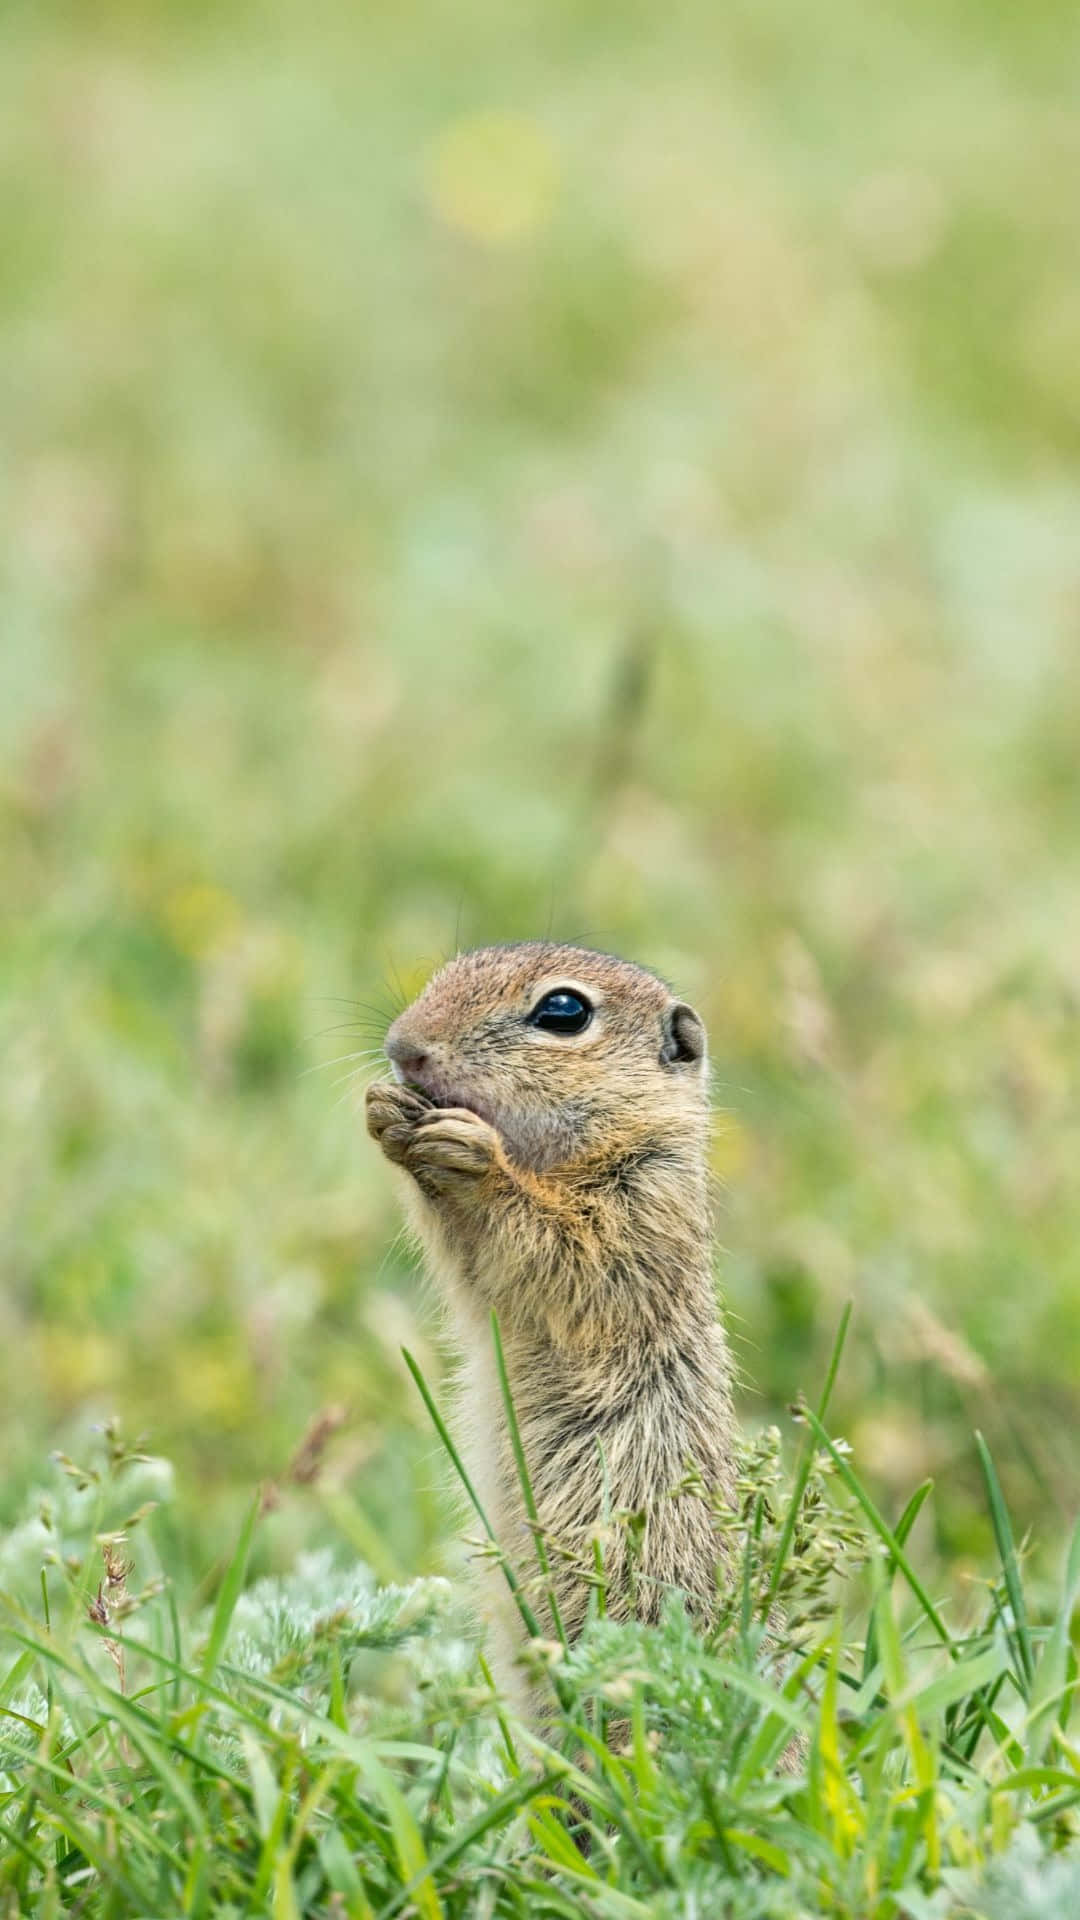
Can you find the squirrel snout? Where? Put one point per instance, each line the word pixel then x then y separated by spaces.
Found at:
pixel 406 1053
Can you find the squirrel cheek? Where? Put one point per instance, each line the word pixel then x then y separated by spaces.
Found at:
pixel 542 1138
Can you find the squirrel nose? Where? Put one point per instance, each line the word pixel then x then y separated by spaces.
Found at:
pixel 406 1054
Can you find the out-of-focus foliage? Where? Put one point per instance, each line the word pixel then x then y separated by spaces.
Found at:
pixel 467 472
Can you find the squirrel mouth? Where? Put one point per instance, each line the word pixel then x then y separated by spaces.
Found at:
pixel 440 1097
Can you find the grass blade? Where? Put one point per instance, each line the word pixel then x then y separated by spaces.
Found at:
pixel 417 1871
pixel 884 1533
pixel 806 1462
pixel 1050 1688
pixel 231 1588
pixel 524 1479
pixel 1020 1633
pixel 531 1623
pixel 903 1528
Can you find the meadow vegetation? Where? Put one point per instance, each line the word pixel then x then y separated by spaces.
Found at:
pixel 313 1745
pixel 603 470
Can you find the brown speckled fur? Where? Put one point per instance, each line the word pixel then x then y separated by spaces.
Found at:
pixel 561 1180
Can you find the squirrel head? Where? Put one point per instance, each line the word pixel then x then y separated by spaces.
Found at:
pixel 572 1056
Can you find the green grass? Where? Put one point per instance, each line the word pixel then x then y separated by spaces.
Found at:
pixel 312 1745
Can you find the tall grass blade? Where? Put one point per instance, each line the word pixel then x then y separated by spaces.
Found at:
pixel 884 1533
pixel 920 1751
pixel 1019 1633
pixel 230 1591
pixel 802 1475
pixel 524 1479
pixel 528 1617
pixel 903 1528
pixel 1050 1690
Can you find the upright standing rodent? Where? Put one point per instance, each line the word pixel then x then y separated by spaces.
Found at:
pixel 550 1108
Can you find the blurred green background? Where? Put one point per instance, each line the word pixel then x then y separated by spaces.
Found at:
pixel 469 472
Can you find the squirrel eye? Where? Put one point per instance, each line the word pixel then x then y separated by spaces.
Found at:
pixel 561 1012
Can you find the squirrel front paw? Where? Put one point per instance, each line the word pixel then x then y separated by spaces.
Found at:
pixel 450 1147
pixel 392 1114
pixel 444 1148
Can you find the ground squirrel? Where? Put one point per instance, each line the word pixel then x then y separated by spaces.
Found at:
pixel 550 1108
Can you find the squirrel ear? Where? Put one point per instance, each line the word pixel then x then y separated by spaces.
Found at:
pixel 684 1036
